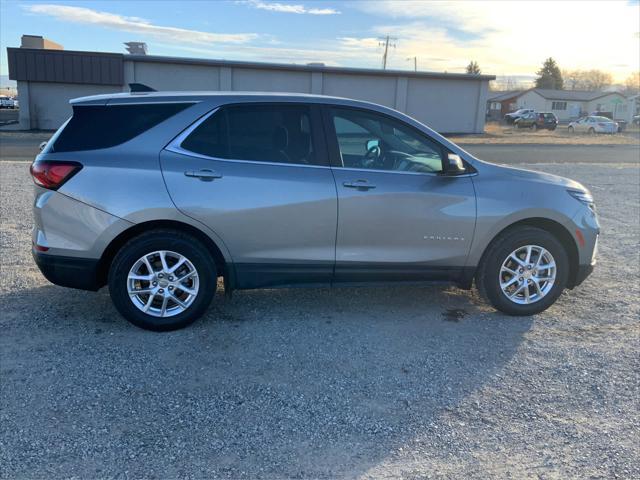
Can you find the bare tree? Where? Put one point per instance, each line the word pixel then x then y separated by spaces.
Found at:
pixel 632 84
pixel 590 80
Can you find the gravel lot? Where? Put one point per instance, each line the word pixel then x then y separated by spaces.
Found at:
pixel 410 382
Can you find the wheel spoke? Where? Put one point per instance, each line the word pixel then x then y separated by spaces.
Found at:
pixel 508 270
pixel 163 309
pixel 537 285
pixel 148 304
pixel 528 257
pixel 140 292
pixel 163 260
pixel 546 266
pixel 178 265
pixel 178 301
pixel 518 290
pixel 188 290
pixel 527 298
pixel 146 278
pixel 188 275
pixel 148 264
pixel 509 282
pixel 515 258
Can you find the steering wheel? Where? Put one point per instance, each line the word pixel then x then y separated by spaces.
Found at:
pixel 372 156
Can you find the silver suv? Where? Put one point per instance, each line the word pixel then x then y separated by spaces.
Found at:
pixel 160 194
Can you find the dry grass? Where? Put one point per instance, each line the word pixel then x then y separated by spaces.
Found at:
pixel 507 134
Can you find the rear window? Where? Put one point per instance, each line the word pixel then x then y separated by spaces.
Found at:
pixel 102 126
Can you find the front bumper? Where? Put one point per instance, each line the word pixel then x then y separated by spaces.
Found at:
pixel 72 272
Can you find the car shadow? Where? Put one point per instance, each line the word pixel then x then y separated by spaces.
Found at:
pixel 271 383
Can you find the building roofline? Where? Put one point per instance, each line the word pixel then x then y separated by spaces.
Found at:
pixel 304 68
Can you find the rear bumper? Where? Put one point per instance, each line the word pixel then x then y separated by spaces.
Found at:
pixel 72 272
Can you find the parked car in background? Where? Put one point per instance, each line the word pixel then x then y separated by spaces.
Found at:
pixel 636 120
pixel 592 125
pixel 159 194
pixel 537 120
pixel 513 116
pixel 8 102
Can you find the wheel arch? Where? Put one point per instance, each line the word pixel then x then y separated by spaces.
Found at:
pixel 556 229
pixel 224 267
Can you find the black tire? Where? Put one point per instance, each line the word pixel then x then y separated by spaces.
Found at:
pixel 534 127
pixel 488 274
pixel 592 131
pixel 572 130
pixel 154 240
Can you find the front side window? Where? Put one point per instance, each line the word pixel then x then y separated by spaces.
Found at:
pixel 263 133
pixel 371 141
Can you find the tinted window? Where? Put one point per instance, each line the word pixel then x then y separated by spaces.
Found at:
pixel 369 140
pixel 266 133
pixel 102 126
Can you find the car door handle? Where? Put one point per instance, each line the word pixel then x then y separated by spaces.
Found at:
pixel 359 184
pixel 205 175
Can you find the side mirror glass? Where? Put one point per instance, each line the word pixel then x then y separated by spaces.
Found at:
pixel 454 165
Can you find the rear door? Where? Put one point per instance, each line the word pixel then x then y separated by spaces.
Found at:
pixel 399 218
pixel 258 176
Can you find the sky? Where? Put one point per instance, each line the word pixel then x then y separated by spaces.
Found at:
pixel 505 38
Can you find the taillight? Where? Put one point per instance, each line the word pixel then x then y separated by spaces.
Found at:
pixel 53 174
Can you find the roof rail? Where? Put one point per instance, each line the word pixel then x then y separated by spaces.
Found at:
pixel 140 87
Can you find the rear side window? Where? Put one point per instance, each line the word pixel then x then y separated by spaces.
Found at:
pixel 264 133
pixel 102 126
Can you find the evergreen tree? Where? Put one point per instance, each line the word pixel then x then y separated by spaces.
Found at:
pixel 473 68
pixel 549 75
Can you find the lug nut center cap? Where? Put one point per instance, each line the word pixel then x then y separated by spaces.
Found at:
pixel 163 283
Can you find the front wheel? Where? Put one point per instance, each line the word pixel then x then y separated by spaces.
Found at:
pixel 572 130
pixel 523 271
pixel 162 280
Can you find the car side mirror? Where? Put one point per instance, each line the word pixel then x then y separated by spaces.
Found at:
pixel 42 146
pixel 454 165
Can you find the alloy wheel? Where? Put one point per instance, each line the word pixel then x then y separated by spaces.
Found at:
pixel 527 275
pixel 163 283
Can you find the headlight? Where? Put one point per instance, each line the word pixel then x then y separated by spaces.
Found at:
pixel 583 197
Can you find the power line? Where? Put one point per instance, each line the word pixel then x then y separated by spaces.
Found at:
pixel 385 42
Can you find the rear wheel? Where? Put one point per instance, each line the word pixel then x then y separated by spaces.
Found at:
pixel 592 131
pixel 162 280
pixel 523 271
pixel 572 130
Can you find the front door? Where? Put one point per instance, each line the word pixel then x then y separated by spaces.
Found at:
pixel 399 218
pixel 258 176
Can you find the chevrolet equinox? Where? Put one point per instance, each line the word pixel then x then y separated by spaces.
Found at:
pixel 158 194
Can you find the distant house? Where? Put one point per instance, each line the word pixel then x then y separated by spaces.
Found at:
pixel 501 103
pixel 572 104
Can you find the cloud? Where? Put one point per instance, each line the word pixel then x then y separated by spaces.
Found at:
pixel 137 25
pixel 290 8
pixel 585 36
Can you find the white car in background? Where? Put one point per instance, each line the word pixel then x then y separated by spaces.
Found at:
pixel 593 124
pixel 7 102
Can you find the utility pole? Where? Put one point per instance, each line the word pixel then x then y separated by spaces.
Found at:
pixel 415 63
pixel 385 42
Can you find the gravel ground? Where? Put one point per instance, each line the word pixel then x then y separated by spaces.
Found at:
pixel 410 382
